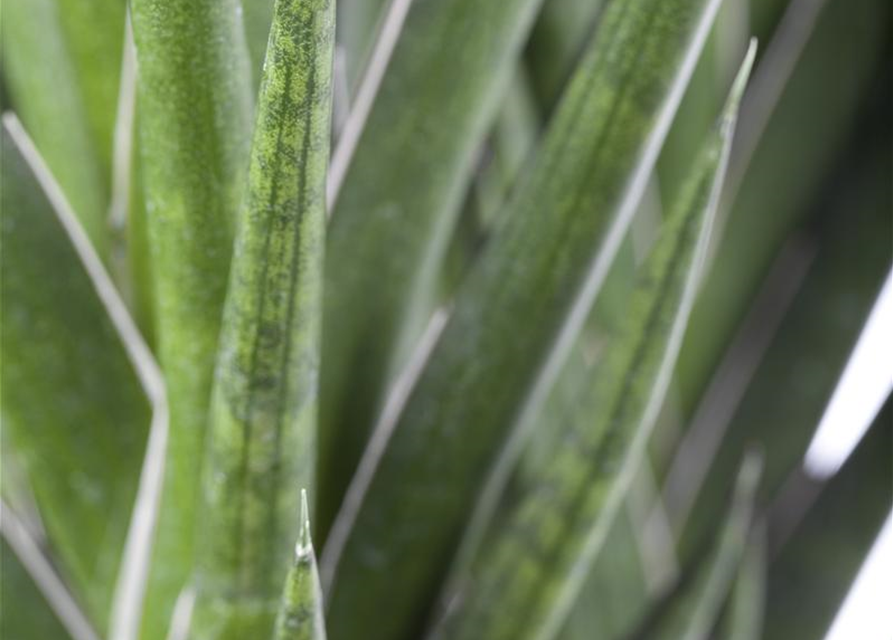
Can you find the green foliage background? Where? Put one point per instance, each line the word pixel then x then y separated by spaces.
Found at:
pixel 540 302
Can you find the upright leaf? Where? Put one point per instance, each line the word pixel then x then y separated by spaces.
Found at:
pixel 194 106
pixel 262 437
pixel 844 49
pixel 74 410
pixel 693 611
pixel 532 287
pixel 541 542
pixel 397 208
pixel 300 614
pixel 42 76
pixel 94 33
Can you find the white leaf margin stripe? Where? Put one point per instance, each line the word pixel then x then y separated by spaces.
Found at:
pixel 130 586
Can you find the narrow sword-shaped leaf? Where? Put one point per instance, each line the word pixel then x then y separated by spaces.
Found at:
pixel 540 544
pixel 847 42
pixel 42 77
pixel 300 614
pixel 262 433
pixel 796 376
pixel 194 117
pixel 74 406
pixel 397 208
pixel 692 612
pixel 523 304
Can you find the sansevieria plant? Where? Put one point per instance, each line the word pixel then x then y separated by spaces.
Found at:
pixel 437 319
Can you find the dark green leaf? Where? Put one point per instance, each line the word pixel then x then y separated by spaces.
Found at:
pixel 816 566
pixel 74 410
pixel 397 208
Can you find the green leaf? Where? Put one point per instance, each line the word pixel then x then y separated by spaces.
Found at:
pixel 744 617
pixel 25 613
pixel 693 611
pixel 194 116
pixel 63 96
pixel 557 43
pixel 262 434
pixel 845 45
pixel 545 536
pixel 532 286
pixel 94 33
pixel 300 614
pixel 847 255
pixel 397 208
pixel 75 411
pixel 815 567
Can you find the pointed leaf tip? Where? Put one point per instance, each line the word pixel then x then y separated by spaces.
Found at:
pixel 730 111
pixel 305 544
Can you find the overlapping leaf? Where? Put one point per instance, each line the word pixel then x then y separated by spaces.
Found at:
pixel 262 434
pixel 194 117
pixel 567 221
pixel 75 412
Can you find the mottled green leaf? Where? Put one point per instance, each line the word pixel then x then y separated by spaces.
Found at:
pixel 262 433
pixel 194 116
pixel 300 614
pixel 397 208
pixel 75 412
pixel 545 536
pixel 531 287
